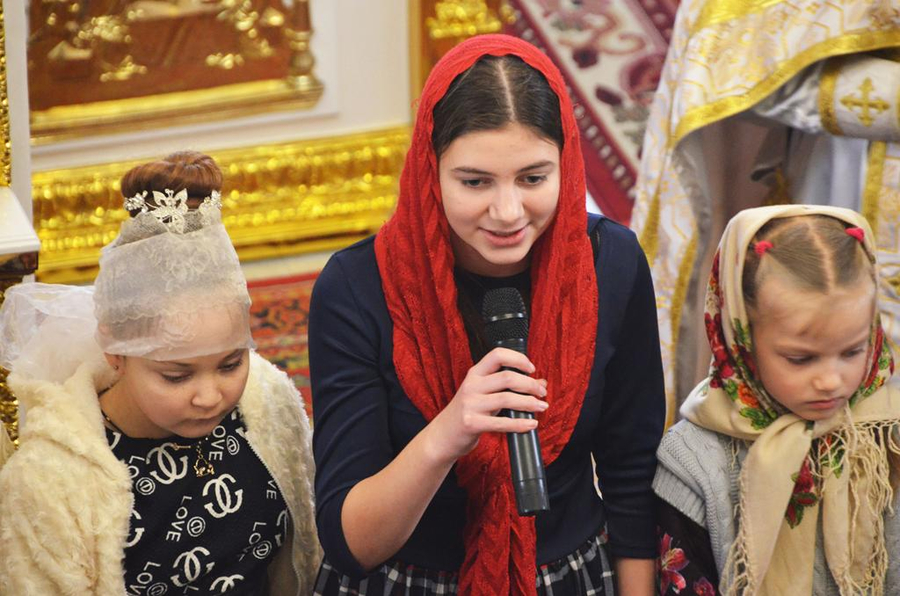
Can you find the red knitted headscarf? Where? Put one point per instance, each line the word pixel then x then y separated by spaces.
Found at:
pixel 431 349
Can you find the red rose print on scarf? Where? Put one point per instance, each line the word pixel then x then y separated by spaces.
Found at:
pixel 721 364
pixel 804 495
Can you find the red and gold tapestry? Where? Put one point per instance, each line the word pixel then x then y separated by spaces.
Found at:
pixel 611 54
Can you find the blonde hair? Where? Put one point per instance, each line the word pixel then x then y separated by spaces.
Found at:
pixel 815 250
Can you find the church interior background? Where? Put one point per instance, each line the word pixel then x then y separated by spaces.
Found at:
pixel 306 105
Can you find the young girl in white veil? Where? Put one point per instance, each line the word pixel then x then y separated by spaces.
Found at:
pixel 158 451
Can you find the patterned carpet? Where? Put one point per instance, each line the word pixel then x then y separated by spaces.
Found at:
pixel 278 321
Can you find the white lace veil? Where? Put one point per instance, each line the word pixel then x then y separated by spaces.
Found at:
pixel 47 330
pixel 170 286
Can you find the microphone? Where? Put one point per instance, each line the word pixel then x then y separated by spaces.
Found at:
pixel 506 326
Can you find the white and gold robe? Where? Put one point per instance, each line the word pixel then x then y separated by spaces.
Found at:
pixel 765 101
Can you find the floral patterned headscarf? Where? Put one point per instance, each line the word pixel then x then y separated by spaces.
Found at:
pixel 794 467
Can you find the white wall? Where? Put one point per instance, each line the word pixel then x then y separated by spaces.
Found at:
pixel 361 49
pixel 17 87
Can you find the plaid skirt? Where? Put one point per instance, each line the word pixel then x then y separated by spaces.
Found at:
pixel 587 571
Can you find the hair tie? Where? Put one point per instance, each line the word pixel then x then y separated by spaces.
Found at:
pixel 762 246
pixel 857 233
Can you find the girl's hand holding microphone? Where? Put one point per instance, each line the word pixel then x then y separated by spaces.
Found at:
pixel 486 390
pixel 381 512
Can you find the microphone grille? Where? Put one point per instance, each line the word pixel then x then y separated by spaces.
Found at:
pixel 505 316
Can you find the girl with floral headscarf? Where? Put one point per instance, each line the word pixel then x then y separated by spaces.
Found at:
pixel 413 486
pixel 778 481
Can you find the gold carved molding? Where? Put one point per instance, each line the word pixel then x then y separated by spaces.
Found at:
pixel 5 142
pixel 9 408
pixel 186 107
pixel 278 200
pixel 435 27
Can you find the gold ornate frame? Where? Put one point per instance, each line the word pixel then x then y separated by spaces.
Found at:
pixel 300 89
pixel 143 113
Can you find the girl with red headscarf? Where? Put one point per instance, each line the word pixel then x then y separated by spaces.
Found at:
pixel 413 483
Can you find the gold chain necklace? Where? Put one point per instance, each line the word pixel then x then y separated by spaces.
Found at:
pixel 202 466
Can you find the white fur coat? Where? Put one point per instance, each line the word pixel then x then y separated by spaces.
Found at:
pixel 65 500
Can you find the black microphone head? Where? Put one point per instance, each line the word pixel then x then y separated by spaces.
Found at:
pixel 505 319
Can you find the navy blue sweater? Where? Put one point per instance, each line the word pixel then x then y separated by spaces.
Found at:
pixel 363 418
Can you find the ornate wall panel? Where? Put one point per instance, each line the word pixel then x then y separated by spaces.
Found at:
pixel 112 65
pixel 278 199
pixel 435 27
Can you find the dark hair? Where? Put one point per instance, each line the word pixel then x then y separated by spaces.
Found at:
pixel 494 92
pixel 191 170
pixel 815 249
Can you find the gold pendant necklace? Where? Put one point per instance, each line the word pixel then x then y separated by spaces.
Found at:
pixel 202 466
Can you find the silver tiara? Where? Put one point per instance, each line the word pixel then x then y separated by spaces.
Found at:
pixel 170 208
